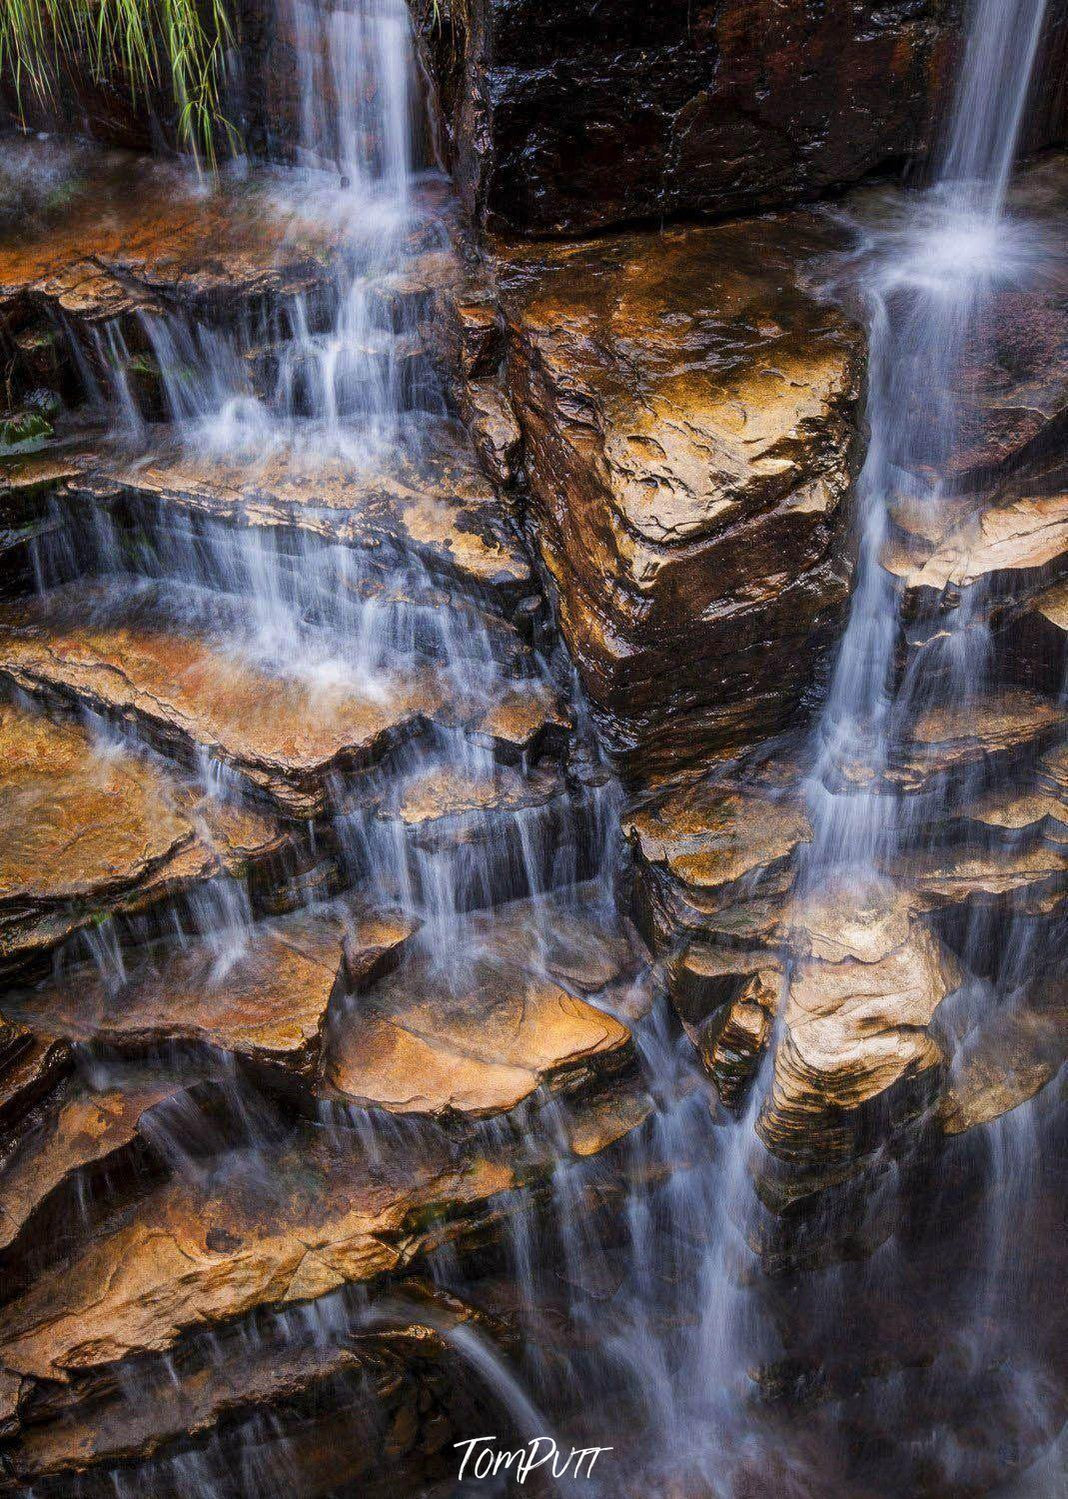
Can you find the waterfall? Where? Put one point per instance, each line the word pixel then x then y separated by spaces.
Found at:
pixel 925 284
pixel 629 1302
pixel 990 100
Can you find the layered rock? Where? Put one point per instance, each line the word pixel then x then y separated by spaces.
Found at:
pixel 857 1056
pixel 260 994
pixel 715 862
pixel 139 658
pixel 478 1031
pixel 687 409
pixel 91 833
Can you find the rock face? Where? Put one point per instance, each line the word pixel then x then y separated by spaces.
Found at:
pixel 477 1035
pixel 564 117
pixel 90 834
pixel 686 409
pixel 867 980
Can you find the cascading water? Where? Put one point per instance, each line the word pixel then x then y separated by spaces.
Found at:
pixel 634 1280
pixel 675 1340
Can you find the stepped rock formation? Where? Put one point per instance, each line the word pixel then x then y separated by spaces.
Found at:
pixel 687 411
pixel 415 631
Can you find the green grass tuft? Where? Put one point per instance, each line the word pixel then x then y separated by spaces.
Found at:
pixel 179 43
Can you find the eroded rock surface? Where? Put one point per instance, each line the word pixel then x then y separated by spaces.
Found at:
pixel 867 981
pixel 186 683
pixel 261 993
pixel 91 832
pixel 687 414
pixel 476 1032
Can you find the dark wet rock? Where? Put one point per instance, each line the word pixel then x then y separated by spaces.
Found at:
pixel 565 118
pixel 476 1031
pixel 189 690
pixel 1010 1058
pixel 92 832
pixel 32 1065
pixel 371 1370
pixel 1015 382
pixel 196 1252
pixel 1033 641
pixel 687 416
pixel 81 1138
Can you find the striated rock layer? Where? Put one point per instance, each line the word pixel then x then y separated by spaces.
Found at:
pixel 687 411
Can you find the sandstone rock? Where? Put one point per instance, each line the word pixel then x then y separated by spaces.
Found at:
pixel 1031 877
pixel 732 1043
pixel 250 1370
pixel 265 1001
pixel 714 840
pixel 867 979
pixel 952 738
pixel 471 1032
pixel 192 1253
pixel 186 686
pixel 161 238
pixel 1015 1053
pixel 1013 547
pixel 32 1065
pixel 91 833
pixel 77 1139
pixel 686 410
pixel 562 119
pixel 432 509
pixel 715 863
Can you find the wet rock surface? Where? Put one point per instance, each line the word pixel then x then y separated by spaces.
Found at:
pixel 95 832
pixel 266 999
pixel 565 119
pixel 154 659
pixel 478 1034
pixel 228 1141
pixel 686 408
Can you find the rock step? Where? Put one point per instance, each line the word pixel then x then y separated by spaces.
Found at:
pixel 86 1150
pixel 1007 1060
pixel 429 512
pixel 981 734
pixel 258 994
pixel 464 836
pixel 163 241
pixel 90 832
pixel 1010 547
pixel 167 664
pixel 401 362
pixel 494 1010
pixel 273 1226
pixel 392 1382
